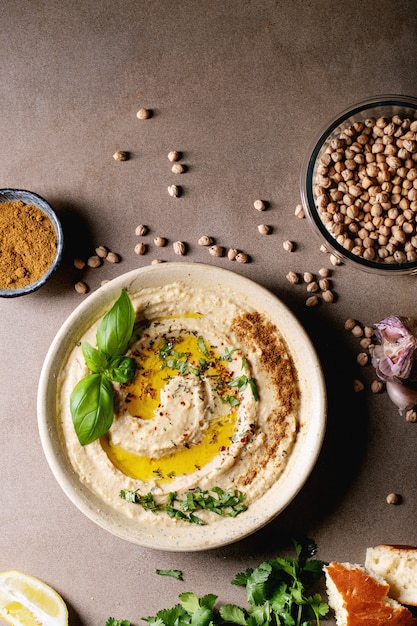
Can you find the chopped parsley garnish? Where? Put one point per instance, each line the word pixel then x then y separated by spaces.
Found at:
pixel 224 503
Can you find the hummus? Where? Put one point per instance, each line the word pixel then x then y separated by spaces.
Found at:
pixel 214 402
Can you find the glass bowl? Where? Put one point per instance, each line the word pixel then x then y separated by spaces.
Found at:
pixel 30 198
pixel 360 197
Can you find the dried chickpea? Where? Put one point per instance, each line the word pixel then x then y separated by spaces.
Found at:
pixel 112 257
pixel 121 155
pixel 216 251
pixel 264 229
pixel 140 248
pixel 141 230
pixel 81 287
pixel 179 247
pixel 143 114
pixel 241 257
pixel 393 498
pixel 259 205
pixel 288 245
pixel 94 261
pixel 293 278
pixel 79 264
pixel 174 155
pixel 205 240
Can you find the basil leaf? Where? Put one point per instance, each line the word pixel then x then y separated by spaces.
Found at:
pixel 95 360
pixel 92 409
pixel 121 369
pixel 116 327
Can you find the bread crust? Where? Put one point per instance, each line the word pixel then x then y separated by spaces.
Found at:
pixel 362 599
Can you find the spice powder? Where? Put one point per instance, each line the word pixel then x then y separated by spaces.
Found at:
pixel 27 244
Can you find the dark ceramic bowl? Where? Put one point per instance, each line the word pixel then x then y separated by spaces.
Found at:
pixel 389 107
pixel 28 197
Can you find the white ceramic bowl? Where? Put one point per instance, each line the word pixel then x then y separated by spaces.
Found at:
pixel 187 537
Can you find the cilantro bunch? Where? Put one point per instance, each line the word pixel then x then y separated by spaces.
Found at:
pixel 277 592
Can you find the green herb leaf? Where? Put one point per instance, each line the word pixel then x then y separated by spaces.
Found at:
pixel 174 573
pixel 121 369
pixel 91 405
pixel 117 622
pixel 116 327
pixel 95 360
pixel 232 614
pixel 225 503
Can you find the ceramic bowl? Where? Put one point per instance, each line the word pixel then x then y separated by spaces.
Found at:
pixel 186 537
pixel 28 197
pixel 313 178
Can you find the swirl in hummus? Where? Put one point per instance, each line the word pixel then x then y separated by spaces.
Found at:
pixel 214 402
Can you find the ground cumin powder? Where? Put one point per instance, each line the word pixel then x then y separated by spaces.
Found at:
pixel 27 244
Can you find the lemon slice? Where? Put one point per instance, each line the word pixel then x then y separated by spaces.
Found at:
pixel 28 601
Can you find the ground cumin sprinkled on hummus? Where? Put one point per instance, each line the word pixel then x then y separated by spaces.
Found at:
pixel 27 244
pixel 254 330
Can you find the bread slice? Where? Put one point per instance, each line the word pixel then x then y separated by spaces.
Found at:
pixel 397 565
pixel 359 599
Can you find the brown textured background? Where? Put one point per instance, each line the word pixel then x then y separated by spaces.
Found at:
pixel 241 87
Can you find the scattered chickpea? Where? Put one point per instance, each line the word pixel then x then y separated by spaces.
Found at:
pixel 299 211
pixel 141 230
pixel 112 257
pixel 178 168
pixel 362 359
pixel 81 287
pixel 140 248
pixel 358 385
pixel 324 284
pixel 174 191
pixel 365 342
pixel 174 155
pixel 293 278
pixel 288 245
pixel 205 240
pixel 357 331
pixel 377 386
pixel 350 323
pixel 411 416
pixel 308 277
pixel 156 261
pixel 160 242
pixel 232 254
pixel 143 114
pixel 324 272
pixel 179 247
pixel 94 261
pixel 259 205
pixel 241 257
pixel 264 229
pixel 104 282
pixel 312 287
pixel 79 264
pixel 312 301
pixel 393 498
pixel 328 295
pixel 334 260
pixel 368 331
pixel 216 250
pixel 101 252
pixel 324 249
pixel 121 155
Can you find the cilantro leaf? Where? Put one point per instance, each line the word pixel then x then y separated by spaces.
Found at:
pixel 174 573
pixel 117 622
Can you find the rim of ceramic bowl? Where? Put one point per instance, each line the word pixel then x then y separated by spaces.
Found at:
pixel 188 537
pixel 30 197
pixel 387 104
